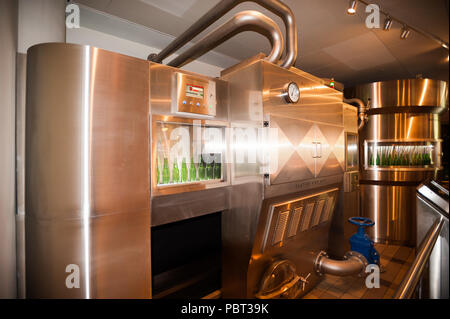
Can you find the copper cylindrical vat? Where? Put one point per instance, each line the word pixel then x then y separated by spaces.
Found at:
pixel 400 147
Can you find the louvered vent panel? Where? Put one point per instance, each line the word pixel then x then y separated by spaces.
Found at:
pixel 306 220
pixel 280 227
pixel 295 221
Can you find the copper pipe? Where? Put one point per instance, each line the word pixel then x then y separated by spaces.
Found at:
pixel 275 6
pixel 362 111
pixel 243 21
pixel 353 264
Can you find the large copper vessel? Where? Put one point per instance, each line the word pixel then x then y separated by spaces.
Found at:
pixel 400 147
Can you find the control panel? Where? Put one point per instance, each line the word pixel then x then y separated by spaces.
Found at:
pixel 194 95
pixel 351 181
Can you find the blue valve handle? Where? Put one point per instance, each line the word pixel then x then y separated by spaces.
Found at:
pixel 361 221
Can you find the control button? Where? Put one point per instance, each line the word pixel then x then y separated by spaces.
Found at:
pixel 184 102
pixel 198 104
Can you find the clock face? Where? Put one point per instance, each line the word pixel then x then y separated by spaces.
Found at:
pixel 293 93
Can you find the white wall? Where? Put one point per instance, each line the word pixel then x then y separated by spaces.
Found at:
pixel 8 46
pixel 40 21
pixel 115 44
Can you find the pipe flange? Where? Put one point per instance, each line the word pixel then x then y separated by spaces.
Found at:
pixel 317 262
pixel 361 258
pixel 152 57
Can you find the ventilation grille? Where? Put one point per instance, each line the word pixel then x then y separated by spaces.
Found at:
pixel 288 219
pixel 280 227
pixel 293 226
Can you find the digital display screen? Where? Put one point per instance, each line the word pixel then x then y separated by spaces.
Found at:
pixel 195 91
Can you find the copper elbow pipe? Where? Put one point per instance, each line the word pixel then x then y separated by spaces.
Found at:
pixel 242 21
pixel 224 6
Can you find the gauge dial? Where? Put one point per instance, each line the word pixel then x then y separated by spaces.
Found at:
pixel 292 93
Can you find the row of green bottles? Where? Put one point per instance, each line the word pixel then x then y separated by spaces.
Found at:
pixel 395 159
pixel 209 171
pixel 206 171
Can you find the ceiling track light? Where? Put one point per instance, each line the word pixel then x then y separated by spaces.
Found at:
pixel 405 33
pixel 387 23
pixel 352 7
pixel 389 20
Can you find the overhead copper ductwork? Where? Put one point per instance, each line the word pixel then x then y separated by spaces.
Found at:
pixel 242 21
pixel 275 6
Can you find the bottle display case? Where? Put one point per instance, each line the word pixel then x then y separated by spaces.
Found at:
pixel 397 155
pixel 188 155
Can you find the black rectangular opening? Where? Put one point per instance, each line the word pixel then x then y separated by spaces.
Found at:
pixel 186 257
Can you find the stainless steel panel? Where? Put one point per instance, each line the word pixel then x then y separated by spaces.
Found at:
pixel 87 181
pixel 176 207
pixel 432 205
pixel 351 118
pixel 318 102
pixel 402 126
pixel 21 81
pixel 297 186
pixel 239 225
pixel 295 150
pixel 408 92
pixel 164 92
pixel 392 208
pixel 186 101
pixel 301 249
pixel 331 159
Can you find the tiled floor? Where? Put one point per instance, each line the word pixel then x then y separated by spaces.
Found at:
pixel 395 260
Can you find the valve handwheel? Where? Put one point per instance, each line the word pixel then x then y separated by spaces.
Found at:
pixel 361 221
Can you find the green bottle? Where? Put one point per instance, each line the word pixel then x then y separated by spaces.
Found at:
pixel 217 170
pixel 396 160
pixel 166 172
pixel 419 159
pixel 184 172
pixel 175 172
pixel 157 173
pixel 209 171
pixel 201 170
pixel 371 160
pixel 405 160
pixel 192 171
pixel 378 159
pixel 428 157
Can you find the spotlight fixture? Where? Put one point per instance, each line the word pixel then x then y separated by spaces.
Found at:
pixel 387 23
pixel 445 45
pixel 352 7
pixel 405 33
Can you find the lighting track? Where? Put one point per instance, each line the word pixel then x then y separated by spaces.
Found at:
pixel 406 28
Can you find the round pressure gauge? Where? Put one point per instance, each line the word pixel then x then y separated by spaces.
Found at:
pixel 292 93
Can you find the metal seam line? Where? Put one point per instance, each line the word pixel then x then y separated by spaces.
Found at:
pixel 85 155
